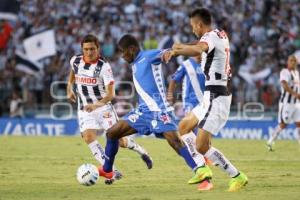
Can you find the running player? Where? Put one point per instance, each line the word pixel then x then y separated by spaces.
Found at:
pixel 212 113
pixel 193 83
pixel 289 110
pixel 91 80
pixel 153 114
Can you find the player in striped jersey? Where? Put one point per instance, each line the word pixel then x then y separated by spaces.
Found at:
pixel 193 83
pixel 289 108
pixel 212 113
pixel 93 82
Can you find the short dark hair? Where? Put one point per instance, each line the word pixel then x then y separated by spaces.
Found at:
pixel 90 38
pixel 203 14
pixel 127 41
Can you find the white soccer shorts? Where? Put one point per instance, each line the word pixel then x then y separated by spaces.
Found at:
pixel 288 113
pixel 102 118
pixel 213 112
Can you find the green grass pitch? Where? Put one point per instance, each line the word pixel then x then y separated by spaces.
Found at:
pixel 43 168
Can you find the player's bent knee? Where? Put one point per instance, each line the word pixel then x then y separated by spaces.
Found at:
pixel 202 148
pixel 282 125
pixel 183 127
pixel 89 137
pixel 123 142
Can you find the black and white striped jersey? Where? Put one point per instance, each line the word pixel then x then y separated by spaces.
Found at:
pixel 90 79
pixel 215 62
pixel 292 79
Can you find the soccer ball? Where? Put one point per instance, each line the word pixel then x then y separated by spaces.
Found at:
pixel 87 174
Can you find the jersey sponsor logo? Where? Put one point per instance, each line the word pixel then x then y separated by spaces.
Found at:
pixel 154 123
pixel 133 117
pixel 165 118
pixel 85 80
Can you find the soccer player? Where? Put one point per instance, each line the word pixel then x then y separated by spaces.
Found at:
pixel 153 114
pixel 193 83
pixel 212 113
pixel 289 110
pixel 92 81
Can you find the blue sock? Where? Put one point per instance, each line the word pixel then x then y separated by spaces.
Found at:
pixel 184 152
pixel 111 149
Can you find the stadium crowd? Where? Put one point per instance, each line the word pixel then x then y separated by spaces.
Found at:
pixel 262 34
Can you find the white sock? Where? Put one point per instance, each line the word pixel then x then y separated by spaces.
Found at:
pixel 134 146
pixel 220 160
pixel 97 151
pixel 189 140
pixel 274 135
pixel 298 131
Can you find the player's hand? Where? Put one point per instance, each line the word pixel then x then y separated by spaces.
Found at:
pixel 71 96
pixel 170 98
pixel 298 96
pixel 166 56
pixel 90 107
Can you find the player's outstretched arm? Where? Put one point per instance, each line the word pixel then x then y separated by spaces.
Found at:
pixel 189 50
pixel 70 94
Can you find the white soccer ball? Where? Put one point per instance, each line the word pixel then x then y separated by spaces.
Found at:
pixel 87 174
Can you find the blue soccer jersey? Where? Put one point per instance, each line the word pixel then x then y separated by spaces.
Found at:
pixel 149 82
pixel 193 83
pixel 153 114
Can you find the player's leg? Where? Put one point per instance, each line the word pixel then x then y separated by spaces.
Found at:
pixel 185 128
pixel 214 119
pixel 274 135
pixel 217 157
pixel 90 138
pixel 204 172
pixel 128 142
pixel 284 113
pixel 89 126
pixel 117 131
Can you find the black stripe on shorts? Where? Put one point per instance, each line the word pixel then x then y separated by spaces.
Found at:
pixel 202 122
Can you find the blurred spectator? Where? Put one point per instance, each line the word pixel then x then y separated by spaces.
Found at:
pixel 5 33
pixel 262 34
pixel 16 106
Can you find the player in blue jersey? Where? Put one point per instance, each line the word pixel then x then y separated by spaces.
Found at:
pixel 153 114
pixel 193 83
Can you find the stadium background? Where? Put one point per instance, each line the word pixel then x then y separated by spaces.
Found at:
pixel 262 34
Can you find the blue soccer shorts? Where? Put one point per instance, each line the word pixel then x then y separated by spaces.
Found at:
pixel 151 122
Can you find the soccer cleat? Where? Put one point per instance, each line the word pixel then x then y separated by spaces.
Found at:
pixel 238 182
pixel 148 160
pixel 117 175
pixel 109 181
pixel 108 175
pixel 270 147
pixel 205 185
pixel 201 174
